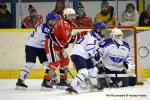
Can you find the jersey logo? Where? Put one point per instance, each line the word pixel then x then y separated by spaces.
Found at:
pixel 116 59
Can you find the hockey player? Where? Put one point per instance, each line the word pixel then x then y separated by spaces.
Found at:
pixel 84 54
pixel 61 37
pixel 35 48
pixel 115 53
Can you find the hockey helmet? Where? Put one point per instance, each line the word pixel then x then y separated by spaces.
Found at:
pixel 52 16
pixel 99 25
pixel 68 11
pixel 117 35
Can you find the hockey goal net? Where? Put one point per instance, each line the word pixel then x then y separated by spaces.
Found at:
pixel 131 38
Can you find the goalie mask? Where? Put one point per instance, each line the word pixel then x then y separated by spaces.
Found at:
pixel 117 35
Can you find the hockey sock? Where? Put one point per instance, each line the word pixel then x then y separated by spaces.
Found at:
pixel 63 73
pixel 81 76
pixel 50 74
pixel 25 71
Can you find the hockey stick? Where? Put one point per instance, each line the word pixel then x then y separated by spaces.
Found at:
pixel 70 74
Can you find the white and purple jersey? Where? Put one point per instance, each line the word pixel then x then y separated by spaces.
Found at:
pixel 114 55
pixel 87 46
pixel 37 38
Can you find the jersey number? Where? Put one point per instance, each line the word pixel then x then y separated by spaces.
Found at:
pixel 79 42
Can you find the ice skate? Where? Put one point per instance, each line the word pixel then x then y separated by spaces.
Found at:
pixel 46 85
pixel 20 84
pixel 63 84
pixel 71 90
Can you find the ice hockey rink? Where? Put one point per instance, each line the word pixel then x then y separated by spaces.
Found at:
pixel 8 92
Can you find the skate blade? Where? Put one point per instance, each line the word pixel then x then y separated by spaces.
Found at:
pixel 20 88
pixel 45 89
pixel 70 93
pixel 61 87
pixel 96 90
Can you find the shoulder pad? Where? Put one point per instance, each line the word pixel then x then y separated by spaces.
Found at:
pixel 95 35
pixel 106 42
pixel 45 28
pixel 126 45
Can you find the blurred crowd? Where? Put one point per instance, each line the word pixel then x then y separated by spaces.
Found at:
pixel 129 17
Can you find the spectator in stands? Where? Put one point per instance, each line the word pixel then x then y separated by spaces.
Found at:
pixel 144 19
pixel 106 14
pixel 130 16
pixel 59 7
pixel 82 20
pixel 33 19
pixel 6 19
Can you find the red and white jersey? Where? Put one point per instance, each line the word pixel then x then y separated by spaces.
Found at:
pixel 63 32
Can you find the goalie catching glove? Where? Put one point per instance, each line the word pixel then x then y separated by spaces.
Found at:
pixel 128 67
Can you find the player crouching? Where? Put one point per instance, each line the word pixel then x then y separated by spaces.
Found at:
pixel 116 61
pixel 83 55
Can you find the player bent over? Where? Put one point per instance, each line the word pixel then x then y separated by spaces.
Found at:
pixel 83 55
pixel 59 40
pixel 35 48
pixel 115 53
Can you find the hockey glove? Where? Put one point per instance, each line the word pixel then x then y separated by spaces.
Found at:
pixel 97 57
pixel 130 67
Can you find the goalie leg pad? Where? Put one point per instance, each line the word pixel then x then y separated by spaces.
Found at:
pixel 122 80
pixel 132 80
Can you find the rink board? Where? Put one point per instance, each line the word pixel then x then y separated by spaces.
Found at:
pixel 12 59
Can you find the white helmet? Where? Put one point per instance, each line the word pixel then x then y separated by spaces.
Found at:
pixel 68 11
pixel 117 35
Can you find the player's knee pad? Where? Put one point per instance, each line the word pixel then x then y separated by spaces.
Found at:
pixel 64 62
pixel 25 71
pixel 93 71
pixel 83 72
pixel 29 66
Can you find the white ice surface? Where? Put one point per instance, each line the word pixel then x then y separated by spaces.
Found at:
pixel 8 92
